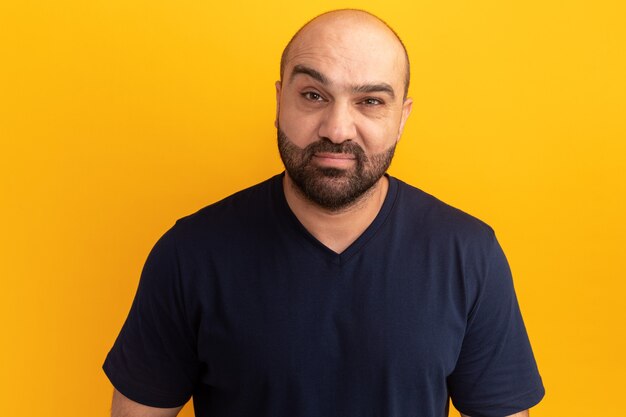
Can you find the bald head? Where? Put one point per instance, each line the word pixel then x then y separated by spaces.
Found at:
pixel 329 26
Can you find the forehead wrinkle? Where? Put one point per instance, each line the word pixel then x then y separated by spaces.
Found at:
pixel 367 87
pixel 307 52
pixel 333 26
pixel 303 55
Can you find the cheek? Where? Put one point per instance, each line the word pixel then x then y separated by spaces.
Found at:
pixel 301 129
pixel 377 137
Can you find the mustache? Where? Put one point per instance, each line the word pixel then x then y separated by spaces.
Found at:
pixel 325 145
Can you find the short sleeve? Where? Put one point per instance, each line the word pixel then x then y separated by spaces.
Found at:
pixel 496 374
pixel 154 360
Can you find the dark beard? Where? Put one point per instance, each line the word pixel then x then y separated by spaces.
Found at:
pixel 332 188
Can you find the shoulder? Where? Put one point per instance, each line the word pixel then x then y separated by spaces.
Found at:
pixel 453 240
pixel 247 205
pixel 211 234
pixel 425 214
pixel 226 223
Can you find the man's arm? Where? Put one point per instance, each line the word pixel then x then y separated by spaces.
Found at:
pixel 520 414
pixel 125 407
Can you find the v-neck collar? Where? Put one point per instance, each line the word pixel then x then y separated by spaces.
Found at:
pixel 323 250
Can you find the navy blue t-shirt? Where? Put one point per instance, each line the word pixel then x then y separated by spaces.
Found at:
pixel 242 308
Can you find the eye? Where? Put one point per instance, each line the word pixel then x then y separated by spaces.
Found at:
pixel 312 96
pixel 372 101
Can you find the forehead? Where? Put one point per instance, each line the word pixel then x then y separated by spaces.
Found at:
pixel 348 51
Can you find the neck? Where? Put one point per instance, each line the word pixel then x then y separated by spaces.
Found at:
pixel 336 229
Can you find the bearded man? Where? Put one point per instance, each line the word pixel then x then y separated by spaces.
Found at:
pixel 332 289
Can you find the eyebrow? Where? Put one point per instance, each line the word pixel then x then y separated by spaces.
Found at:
pixel 301 69
pixel 365 88
pixel 375 88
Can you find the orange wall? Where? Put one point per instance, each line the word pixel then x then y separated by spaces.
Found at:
pixel 119 116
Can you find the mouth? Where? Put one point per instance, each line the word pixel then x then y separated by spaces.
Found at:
pixel 334 160
pixel 334 156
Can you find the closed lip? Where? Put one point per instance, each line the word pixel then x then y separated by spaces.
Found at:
pixel 332 155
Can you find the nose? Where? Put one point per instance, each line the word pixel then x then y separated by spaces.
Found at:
pixel 338 124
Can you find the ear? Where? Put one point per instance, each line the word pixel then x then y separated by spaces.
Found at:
pixel 278 87
pixel 406 111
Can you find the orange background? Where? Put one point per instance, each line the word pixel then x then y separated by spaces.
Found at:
pixel 118 117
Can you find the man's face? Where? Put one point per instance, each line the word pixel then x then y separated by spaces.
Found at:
pixel 340 109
